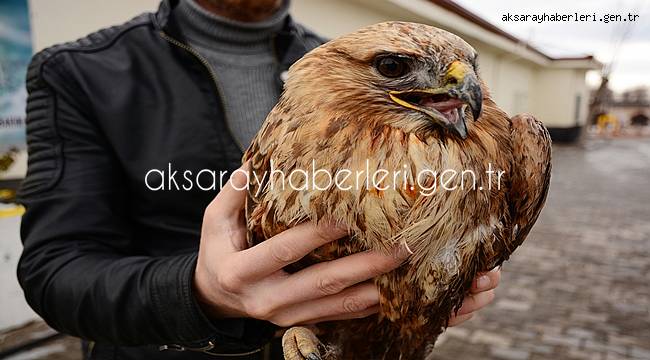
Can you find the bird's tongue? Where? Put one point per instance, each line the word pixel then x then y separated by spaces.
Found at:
pixel 448 108
pixel 444 107
pixel 452 115
pixel 456 121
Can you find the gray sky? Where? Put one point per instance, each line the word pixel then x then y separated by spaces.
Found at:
pixel 632 65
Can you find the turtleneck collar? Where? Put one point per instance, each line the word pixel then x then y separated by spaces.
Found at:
pixel 220 33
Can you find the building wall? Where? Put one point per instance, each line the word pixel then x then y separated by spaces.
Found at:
pixel 56 21
pixel 581 89
pixel 561 97
pixel 15 310
pixel 335 17
pixel 624 114
pixel 512 84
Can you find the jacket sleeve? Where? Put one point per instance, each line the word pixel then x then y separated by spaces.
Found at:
pixel 77 268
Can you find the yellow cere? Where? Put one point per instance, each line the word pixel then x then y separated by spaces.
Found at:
pixel 457 70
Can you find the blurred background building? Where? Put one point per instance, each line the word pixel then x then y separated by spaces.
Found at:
pixel 629 109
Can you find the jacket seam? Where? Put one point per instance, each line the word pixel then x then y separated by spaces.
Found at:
pixel 67 48
pixel 58 149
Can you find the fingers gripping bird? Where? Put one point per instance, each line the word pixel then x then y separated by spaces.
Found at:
pixel 390 96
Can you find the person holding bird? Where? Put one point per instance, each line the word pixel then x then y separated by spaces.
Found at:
pixel 178 274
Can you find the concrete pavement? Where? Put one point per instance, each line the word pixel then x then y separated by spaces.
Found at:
pixel 579 287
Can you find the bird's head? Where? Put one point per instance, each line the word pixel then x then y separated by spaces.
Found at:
pixel 410 76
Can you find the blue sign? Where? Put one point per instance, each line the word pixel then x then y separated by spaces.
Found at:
pixel 15 55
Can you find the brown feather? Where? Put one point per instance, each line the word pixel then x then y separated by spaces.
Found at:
pixel 336 112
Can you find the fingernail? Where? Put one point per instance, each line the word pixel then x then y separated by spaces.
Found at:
pixel 483 282
pixel 403 252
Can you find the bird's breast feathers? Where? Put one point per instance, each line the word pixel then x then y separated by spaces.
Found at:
pixel 390 132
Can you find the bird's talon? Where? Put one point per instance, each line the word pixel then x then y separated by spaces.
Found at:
pixel 314 356
pixel 299 343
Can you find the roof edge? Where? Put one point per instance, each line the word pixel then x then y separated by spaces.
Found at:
pixel 463 12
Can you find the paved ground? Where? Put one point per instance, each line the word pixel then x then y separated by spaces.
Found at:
pixel 579 287
pixel 63 348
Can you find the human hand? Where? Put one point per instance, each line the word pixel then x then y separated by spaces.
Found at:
pixel 481 295
pixel 232 280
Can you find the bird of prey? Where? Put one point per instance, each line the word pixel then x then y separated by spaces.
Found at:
pixel 397 96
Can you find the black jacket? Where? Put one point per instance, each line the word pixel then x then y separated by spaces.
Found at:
pixel 105 258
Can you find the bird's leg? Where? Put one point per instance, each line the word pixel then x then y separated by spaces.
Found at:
pixel 299 343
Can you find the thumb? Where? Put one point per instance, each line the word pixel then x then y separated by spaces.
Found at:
pixel 231 200
pixel 223 219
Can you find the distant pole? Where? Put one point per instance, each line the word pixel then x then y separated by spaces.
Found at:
pixel 600 100
pixel 597 106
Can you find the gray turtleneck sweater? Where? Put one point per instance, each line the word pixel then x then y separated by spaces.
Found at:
pixel 241 56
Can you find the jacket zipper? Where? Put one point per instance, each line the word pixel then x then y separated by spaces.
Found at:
pixel 213 76
pixel 207 349
pixel 210 345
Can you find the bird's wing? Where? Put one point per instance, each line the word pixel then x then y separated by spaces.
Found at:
pixel 271 207
pixel 259 157
pixel 530 177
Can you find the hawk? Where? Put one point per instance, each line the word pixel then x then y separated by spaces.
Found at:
pixel 397 96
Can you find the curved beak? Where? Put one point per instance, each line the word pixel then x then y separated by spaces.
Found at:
pixel 446 105
pixel 467 89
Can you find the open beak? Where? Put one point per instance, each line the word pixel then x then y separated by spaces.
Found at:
pixel 446 105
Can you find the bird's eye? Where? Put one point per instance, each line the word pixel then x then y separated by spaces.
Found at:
pixel 391 66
